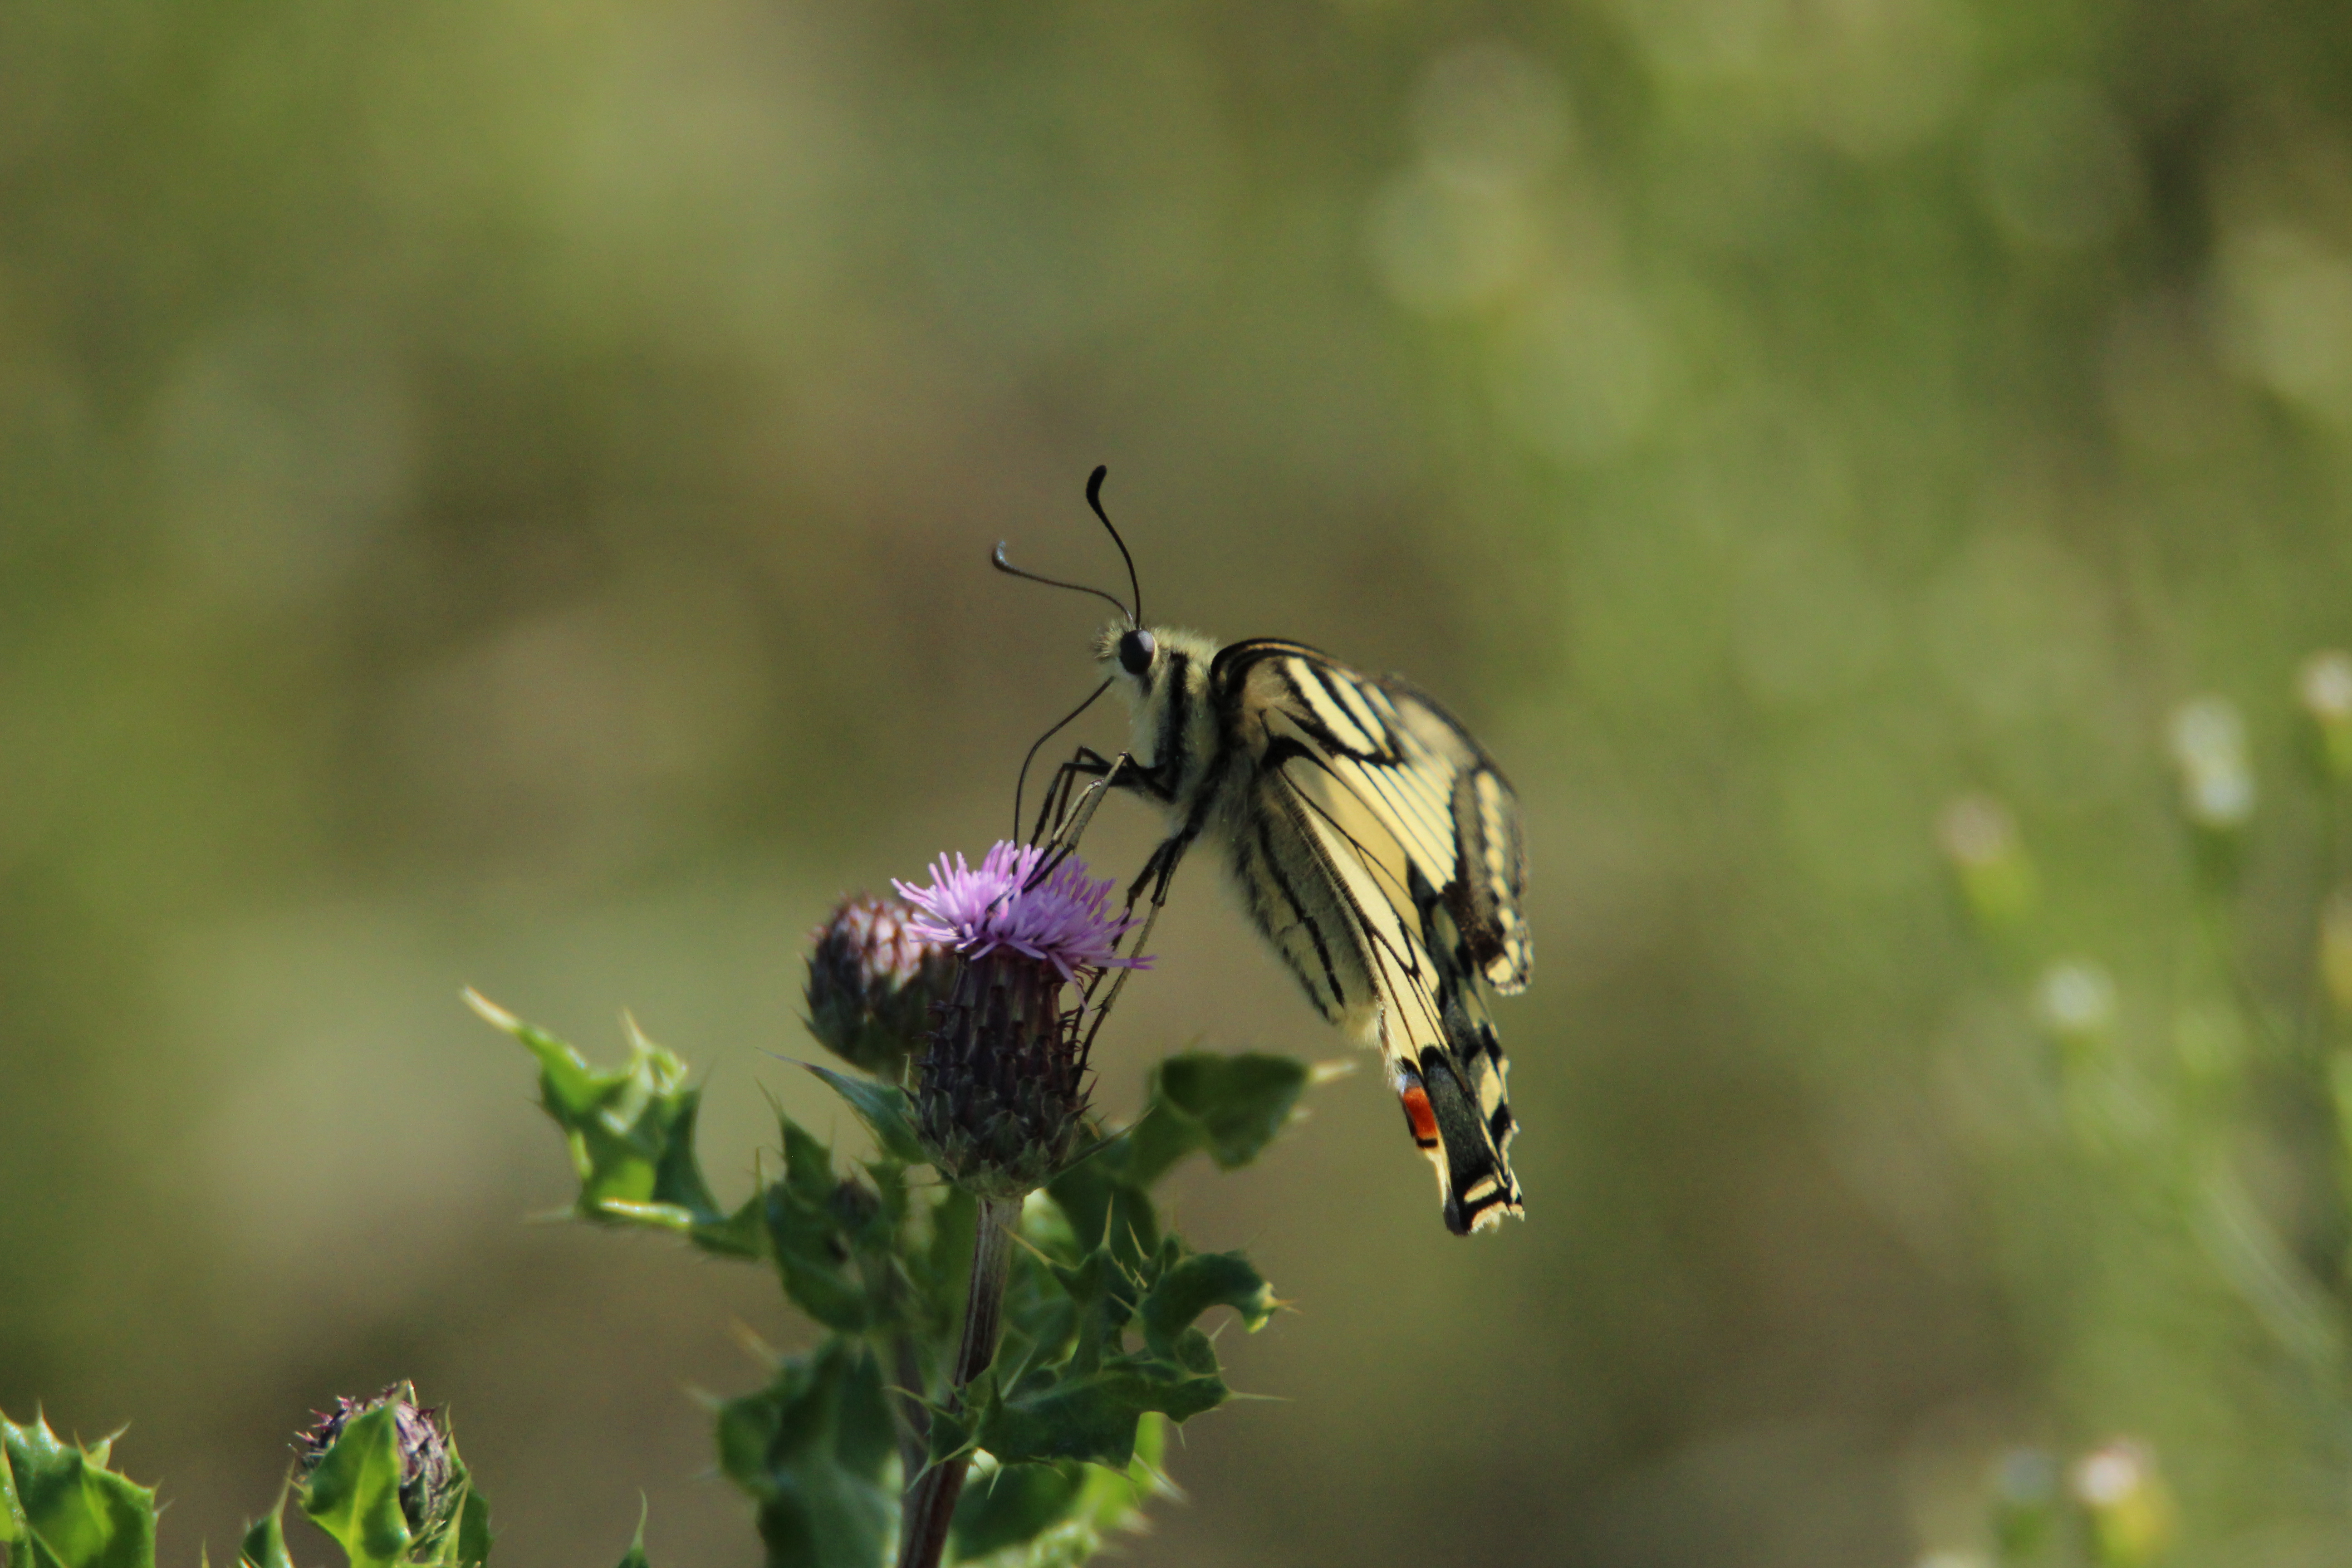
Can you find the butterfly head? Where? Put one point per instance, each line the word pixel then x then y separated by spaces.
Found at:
pixel 1163 675
pixel 1129 657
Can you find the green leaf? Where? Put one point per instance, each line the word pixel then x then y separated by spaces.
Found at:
pixel 832 1238
pixel 13 1527
pixel 882 1108
pixel 636 1556
pixel 631 1132
pixel 1103 1207
pixel 1094 1418
pixel 60 1502
pixel 1228 1107
pixel 1195 1282
pixel 353 1492
pixel 1013 1504
pixel 264 1545
pixel 811 1448
pixel 474 1532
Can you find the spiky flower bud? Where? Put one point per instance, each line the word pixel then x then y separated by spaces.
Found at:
pixel 873 983
pixel 1000 1102
pixel 431 1480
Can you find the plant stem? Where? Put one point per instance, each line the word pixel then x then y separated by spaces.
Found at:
pixel 932 1497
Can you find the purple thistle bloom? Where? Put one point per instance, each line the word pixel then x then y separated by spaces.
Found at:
pixel 1064 921
pixel 1000 1096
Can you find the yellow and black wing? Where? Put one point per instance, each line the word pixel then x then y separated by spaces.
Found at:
pixel 1378 848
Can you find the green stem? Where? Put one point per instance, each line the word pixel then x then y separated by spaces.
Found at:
pixel 931 1496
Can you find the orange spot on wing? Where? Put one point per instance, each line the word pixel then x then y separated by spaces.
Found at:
pixel 1419 1116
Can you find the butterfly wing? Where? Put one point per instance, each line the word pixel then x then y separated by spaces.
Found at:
pixel 1379 849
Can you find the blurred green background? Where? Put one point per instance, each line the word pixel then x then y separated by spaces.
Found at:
pixel 500 493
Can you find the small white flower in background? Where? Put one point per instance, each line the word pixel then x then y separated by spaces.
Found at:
pixel 2325 684
pixel 2209 745
pixel 2075 999
pixel 2131 1510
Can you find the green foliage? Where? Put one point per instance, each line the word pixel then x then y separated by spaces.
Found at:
pixel 631 1130
pixel 812 1449
pixel 61 1507
pixel 2251 997
pixel 1228 1108
pixel 1042 1515
pixel 636 1556
pixel 264 1545
pixel 381 1503
pixel 1101 1345
pixel 354 1494
pixel 882 1106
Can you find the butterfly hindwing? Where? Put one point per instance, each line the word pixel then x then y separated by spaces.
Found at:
pixel 1379 850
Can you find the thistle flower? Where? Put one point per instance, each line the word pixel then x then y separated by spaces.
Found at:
pixel 1000 1102
pixel 873 983
pixel 429 1474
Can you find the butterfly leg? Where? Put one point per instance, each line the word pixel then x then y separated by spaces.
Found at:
pixel 1156 874
pixel 1055 807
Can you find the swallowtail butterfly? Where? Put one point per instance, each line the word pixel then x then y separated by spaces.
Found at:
pixel 1373 842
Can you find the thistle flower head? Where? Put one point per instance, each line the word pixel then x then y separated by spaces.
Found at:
pixel 1064 921
pixel 873 983
pixel 429 1472
pixel 1000 1100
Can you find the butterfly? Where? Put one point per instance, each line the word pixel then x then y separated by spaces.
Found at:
pixel 1373 842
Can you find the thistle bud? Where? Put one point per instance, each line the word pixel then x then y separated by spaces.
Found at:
pixel 431 1480
pixel 873 983
pixel 1000 1099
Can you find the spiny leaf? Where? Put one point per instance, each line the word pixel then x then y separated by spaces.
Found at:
pixel 63 1506
pixel 1013 1504
pixel 353 1492
pixel 1227 1107
pixel 631 1132
pixel 1189 1285
pixel 473 1534
pixel 636 1556
pixel 1094 1418
pixel 264 1545
pixel 811 1448
pixel 882 1108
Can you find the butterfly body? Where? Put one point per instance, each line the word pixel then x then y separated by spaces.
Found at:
pixel 1373 844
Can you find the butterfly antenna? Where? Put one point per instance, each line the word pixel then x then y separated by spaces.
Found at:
pixel 1094 499
pixel 1021 780
pixel 1001 564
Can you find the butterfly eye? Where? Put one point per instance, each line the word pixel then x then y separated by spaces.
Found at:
pixel 1135 649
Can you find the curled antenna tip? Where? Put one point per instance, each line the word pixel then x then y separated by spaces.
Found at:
pixel 1094 483
pixel 996 558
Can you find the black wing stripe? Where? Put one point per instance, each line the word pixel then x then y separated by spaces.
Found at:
pixel 1272 866
pixel 1395 949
